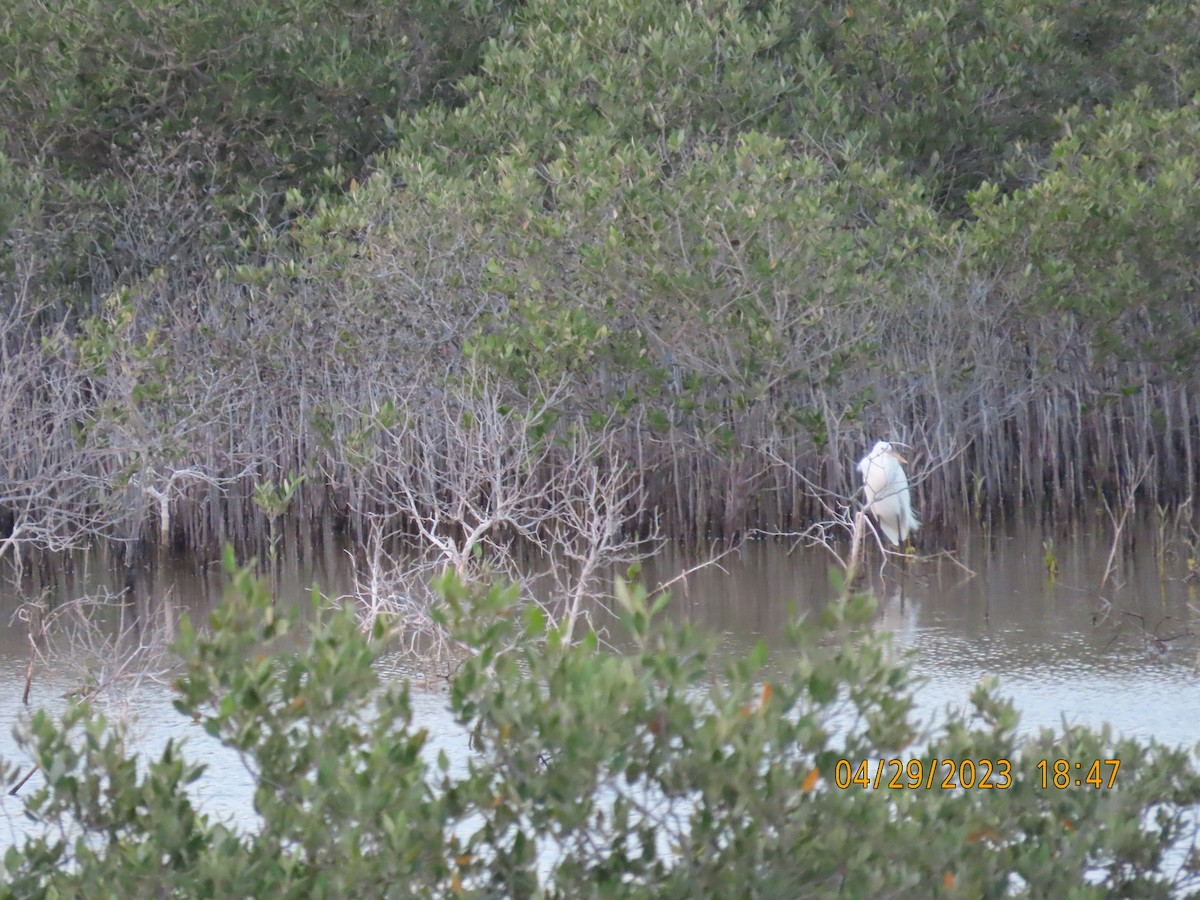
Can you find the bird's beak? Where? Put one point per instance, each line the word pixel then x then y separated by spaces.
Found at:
pixel 899 457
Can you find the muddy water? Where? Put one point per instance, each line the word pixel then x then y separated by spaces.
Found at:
pixel 1127 653
pixel 1078 648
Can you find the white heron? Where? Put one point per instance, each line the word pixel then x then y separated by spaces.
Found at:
pixel 886 487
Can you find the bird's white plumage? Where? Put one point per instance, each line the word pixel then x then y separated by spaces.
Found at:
pixel 886 489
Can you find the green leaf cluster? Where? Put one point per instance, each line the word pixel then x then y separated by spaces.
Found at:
pixel 160 126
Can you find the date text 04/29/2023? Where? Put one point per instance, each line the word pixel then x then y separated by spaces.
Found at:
pixel 968 774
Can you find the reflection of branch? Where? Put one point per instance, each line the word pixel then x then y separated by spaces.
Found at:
pixel 712 561
pixel 16 788
pixel 952 558
pixel 76 634
pixel 1119 523
pixel 33 615
pixel 1151 639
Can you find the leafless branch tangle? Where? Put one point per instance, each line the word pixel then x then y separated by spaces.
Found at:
pixel 477 487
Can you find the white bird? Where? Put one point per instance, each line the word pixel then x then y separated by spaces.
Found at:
pixel 886 487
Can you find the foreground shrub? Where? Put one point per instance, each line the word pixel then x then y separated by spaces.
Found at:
pixel 650 771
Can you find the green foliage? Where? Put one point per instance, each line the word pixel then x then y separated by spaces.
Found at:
pixel 715 215
pixel 687 279
pixel 1106 233
pixel 1110 48
pixel 659 770
pixel 133 379
pixel 270 88
pixel 730 227
pixel 627 72
pixel 169 129
pixel 273 500
pixel 956 92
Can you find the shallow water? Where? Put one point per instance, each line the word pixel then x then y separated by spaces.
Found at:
pixel 1127 654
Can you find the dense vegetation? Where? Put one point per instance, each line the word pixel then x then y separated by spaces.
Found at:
pixel 562 273
pixel 653 772
pixel 740 241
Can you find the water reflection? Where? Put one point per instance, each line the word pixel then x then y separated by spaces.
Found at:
pixel 1126 653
